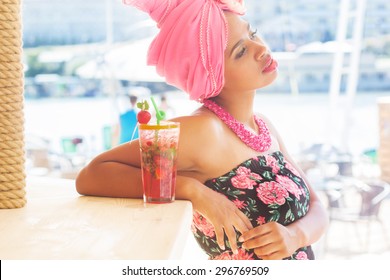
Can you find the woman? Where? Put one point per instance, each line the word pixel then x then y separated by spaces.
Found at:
pixel 250 200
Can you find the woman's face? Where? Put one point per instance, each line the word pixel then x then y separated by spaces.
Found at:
pixel 248 61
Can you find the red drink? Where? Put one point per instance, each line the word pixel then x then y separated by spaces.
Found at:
pixel 158 145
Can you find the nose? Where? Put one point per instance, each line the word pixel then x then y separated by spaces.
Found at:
pixel 260 49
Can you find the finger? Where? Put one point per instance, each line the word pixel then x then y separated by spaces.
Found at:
pixel 244 218
pixel 259 230
pixel 272 256
pixel 232 237
pixel 219 235
pixel 266 250
pixel 259 241
pixel 273 250
pixel 252 233
pixel 242 224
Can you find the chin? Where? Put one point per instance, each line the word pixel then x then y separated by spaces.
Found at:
pixel 270 79
pixel 265 84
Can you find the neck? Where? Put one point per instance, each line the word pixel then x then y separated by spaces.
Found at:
pixel 258 138
pixel 240 106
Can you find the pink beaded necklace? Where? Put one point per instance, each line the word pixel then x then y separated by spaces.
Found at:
pixel 260 142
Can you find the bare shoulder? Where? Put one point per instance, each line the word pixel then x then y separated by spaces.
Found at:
pixel 199 134
pixel 198 124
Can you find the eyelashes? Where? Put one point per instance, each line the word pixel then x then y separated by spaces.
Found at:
pixel 252 36
pixel 241 52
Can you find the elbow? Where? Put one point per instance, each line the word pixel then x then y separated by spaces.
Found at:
pixel 81 184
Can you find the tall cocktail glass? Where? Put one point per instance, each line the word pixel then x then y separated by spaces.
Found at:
pixel 158 147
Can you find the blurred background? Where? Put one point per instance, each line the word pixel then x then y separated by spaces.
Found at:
pixel 331 101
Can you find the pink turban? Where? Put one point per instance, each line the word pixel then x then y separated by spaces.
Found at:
pixel 189 49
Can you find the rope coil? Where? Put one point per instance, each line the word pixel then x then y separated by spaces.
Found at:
pixel 12 156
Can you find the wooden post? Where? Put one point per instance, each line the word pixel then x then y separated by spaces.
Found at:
pixel 12 176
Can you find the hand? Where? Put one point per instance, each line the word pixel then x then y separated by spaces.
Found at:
pixel 224 215
pixel 271 241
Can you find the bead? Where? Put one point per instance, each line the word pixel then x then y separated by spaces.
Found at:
pixel 259 142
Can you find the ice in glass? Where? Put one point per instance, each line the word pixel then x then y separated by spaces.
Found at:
pixel 158 147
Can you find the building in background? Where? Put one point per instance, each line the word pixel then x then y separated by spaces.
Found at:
pixel 57 22
pixel 49 22
pixel 287 26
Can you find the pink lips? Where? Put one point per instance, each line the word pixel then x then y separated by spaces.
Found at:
pixel 270 66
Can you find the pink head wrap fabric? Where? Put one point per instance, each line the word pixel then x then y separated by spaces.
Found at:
pixel 189 48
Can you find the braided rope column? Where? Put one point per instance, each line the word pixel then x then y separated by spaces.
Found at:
pixel 12 176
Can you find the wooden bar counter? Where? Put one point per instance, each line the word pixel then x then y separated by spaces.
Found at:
pixel 58 223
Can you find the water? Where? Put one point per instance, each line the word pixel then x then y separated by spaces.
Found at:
pixel 301 120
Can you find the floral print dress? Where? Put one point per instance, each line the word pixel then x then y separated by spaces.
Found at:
pixel 265 188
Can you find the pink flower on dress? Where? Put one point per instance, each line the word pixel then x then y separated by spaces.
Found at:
pixel 272 193
pixel 241 255
pixel 245 178
pixel 290 186
pixel 203 225
pixel 290 167
pixel 260 220
pixel 236 6
pixel 271 161
pixel 301 256
pixel 240 204
pixel 193 228
pixel 224 256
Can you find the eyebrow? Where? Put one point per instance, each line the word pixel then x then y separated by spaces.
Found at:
pixel 240 41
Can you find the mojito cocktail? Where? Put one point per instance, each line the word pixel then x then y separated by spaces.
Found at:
pixel 158 146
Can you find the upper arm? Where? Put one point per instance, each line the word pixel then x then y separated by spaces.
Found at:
pixel 196 134
pixel 127 153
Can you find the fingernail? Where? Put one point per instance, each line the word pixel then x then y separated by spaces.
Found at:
pixel 235 251
pixel 241 239
pixel 222 247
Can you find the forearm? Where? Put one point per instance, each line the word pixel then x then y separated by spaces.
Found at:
pixel 110 179
pixel 311 227
pixel 188 188
pixel 114 179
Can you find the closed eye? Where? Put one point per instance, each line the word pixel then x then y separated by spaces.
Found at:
pixel 241 52
pixel 252 36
